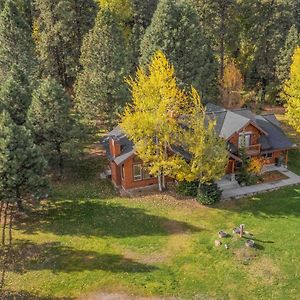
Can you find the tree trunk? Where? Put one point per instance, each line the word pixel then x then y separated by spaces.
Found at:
pixel 263 91
pixel 1 207
pixel 11 216
pixel 163 182
pixel 159 179
pixel 60 160
pixel 19 201
pixel 4 224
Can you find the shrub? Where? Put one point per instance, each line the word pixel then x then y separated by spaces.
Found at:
pixel 255 166
pixel 209 194
pixel 186 188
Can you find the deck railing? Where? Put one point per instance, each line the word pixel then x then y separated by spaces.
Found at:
pixel 253 150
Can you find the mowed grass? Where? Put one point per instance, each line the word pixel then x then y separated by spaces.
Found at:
pixel 85 240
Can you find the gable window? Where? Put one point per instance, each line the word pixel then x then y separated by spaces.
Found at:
pixel 245 139
pixel 137 172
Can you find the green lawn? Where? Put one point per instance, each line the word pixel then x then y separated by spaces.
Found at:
pixel 85 240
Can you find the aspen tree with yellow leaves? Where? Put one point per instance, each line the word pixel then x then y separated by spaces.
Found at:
pixel 163 118
pixel 291 92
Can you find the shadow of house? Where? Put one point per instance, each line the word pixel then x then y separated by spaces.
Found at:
pixel 99 218
pixel 27 256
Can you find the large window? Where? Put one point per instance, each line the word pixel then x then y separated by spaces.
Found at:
pixel 137 172
pixel 244 139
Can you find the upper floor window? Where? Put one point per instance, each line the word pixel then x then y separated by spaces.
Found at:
pixel 244 139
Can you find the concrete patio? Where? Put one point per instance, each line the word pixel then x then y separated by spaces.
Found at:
pixel 234 191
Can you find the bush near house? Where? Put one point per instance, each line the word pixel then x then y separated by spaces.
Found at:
pixel 208 194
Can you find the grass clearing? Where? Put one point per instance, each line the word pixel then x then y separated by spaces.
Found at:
pixel 85 240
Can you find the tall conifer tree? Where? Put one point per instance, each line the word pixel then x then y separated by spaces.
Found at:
pixel 16 44
pixel 100 87
pixel 175 30
pixel 59 30
pixel 50 119
pixel 286 54
pixel 15 95
pixel 22 166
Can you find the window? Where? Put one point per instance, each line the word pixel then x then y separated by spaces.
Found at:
pixel 137 172
pixel 245 139
pixel 268 155
pixel 123 172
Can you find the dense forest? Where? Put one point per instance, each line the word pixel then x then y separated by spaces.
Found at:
pixel 63 65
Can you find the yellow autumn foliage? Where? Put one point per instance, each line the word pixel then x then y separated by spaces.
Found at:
pixel 255 166
pixel 291 92
pixel 163 120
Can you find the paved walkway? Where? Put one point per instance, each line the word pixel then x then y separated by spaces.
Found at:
pixel 246 191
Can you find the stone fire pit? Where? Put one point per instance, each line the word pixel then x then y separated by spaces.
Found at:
pixel 236 230
pixel 222 234
pixel 250 243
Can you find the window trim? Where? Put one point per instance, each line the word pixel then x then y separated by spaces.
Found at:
pixel 243 134
pixel 123 172
pixel 266 155
pixel 140 176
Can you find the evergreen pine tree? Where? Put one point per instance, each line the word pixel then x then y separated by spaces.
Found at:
pixel 100 87
pixel 15 95
pixel 142 15
pixel 176 31
pixel 49 117
pixel 22 166
pixel 59 30
pixel 286 54
pixel 16 44
pixel 2 2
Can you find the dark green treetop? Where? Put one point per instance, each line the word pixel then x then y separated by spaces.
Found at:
pixel 175 29
pixel 100 87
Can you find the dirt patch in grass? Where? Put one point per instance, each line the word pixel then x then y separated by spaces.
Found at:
pixel 178 242
pixel 245 255
pixel 265 270
pixel 121 296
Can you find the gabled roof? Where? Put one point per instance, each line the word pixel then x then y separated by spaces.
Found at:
pixel 127 146
pixel 228 122
pixel 273 137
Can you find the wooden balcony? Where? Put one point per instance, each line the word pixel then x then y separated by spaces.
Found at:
pixel 253 150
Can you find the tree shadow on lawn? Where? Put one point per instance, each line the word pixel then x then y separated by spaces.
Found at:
pixel 27 256
pixel 22 295
pixel 101 219
pixel 282 203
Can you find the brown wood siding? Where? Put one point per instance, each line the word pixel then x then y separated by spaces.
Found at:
pixel 254 138
pixel 230 167
pixel 115 173
pixel 128 181
pixel 276 155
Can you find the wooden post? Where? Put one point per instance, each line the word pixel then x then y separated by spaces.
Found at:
pixel 242 230
pixel 286 158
